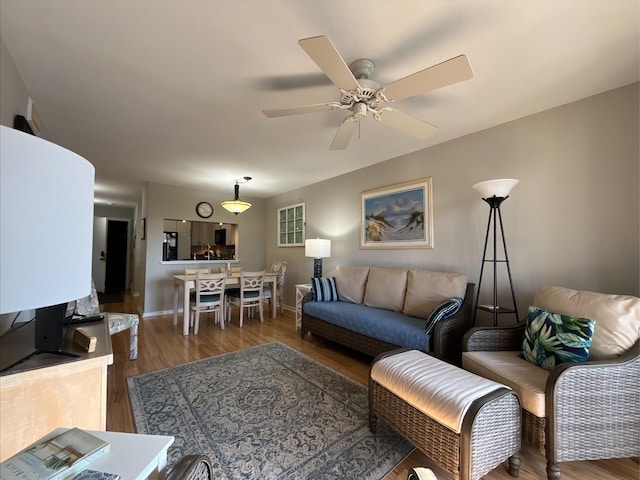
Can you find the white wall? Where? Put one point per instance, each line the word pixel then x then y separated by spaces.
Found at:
pixel 165 201
pixel 13 101
pixel 574 219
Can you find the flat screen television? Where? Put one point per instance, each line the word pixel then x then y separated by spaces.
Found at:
pixel 63 181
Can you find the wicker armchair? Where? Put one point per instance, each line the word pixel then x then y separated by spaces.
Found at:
pixel 588 410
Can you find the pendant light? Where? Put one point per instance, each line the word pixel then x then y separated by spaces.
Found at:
pixel 236 206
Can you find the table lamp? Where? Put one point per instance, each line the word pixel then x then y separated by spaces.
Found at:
pixel 318 248
pixel 46 232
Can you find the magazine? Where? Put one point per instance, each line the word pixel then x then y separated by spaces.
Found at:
pixel 96 475
pixel 55 458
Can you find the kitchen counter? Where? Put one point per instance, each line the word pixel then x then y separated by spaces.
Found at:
pixel 192 262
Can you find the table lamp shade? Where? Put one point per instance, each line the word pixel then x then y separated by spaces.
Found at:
pixel 317 248
pixel 46 215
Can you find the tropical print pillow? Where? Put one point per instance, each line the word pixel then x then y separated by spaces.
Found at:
pixel 551 338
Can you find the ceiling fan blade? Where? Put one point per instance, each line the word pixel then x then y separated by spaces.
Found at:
pixel 405 123
pixel 283 112
pixel 322 51
pixel 344 134
pixel 446 73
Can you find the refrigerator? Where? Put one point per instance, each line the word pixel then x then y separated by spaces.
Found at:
pixel 170 246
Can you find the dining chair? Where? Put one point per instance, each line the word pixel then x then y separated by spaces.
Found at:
pixel 193 271
pixel 249 295
pixel 279 268
pixel 208 296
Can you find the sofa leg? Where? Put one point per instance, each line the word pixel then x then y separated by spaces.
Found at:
pixel 373 423
pixel 553 471
pixel 514 464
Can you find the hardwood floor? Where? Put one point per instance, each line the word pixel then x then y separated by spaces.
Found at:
pixel 162 345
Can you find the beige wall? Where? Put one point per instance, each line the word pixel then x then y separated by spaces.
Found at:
pixel 165 201
pixel 13 92
pixel 574 219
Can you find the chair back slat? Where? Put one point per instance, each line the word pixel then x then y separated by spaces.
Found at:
pixel 210 284
pixel 252 282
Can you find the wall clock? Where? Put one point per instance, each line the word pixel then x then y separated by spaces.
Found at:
pixel 204 209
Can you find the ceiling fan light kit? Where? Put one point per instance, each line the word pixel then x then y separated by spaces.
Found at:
pixel 360 95
pixel 236 205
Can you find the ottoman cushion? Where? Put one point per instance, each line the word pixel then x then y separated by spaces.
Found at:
pixel 439 390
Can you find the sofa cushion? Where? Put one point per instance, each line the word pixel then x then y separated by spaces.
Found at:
pixel 350 282
pixel 552 338
pixel 385 325
pixel 525 378
pixel 445 310
pixel 324 289
pixel 386 288
pixel 426 290
pixel 617 317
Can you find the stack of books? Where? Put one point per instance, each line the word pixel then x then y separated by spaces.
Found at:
pixel 58 458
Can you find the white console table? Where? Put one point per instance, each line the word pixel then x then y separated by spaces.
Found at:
pixel 301 290
pixel 131 455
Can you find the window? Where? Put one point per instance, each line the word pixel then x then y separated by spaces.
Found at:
pixel 291 226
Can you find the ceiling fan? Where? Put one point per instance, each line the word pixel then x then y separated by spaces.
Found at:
pixel 360 95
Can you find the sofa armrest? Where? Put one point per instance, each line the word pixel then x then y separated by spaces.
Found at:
pixel 447 334
pixel 605 396
pixel 308 297
pixel 492 339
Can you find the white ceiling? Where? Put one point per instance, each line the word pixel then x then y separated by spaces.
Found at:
pixel 171 91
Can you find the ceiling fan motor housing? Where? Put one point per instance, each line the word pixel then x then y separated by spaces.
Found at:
pixel 366 94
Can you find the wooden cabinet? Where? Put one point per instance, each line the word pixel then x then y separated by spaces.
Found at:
pixel 49 391
pixel 202 233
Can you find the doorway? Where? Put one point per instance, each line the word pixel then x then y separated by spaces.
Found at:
pixel 115 281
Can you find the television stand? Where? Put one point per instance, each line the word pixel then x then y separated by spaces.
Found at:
pixel 45 391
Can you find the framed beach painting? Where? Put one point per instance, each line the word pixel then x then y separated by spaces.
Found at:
pixel 398 216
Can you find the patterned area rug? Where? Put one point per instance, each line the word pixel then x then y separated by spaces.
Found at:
pixel 266 412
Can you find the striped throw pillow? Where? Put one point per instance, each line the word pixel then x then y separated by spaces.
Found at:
pixel 446 309
pixel 324 289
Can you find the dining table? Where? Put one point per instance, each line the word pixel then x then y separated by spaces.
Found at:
pixel 188 282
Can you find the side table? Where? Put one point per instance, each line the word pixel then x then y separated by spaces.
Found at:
pixel 301 290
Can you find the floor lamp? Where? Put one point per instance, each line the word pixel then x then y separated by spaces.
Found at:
pixel 494 192
pixel 318 248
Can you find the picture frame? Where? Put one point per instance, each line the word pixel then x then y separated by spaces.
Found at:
pixel 398 216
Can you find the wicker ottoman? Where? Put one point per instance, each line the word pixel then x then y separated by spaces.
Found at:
pixel 466 424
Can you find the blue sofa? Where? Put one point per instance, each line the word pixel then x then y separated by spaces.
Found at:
pixel 380 309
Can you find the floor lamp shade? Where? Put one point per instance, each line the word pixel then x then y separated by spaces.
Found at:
pixel 46 215
pixel 500 187
pixel 318 248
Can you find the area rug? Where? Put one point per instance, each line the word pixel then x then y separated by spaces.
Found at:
pixel 266 412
